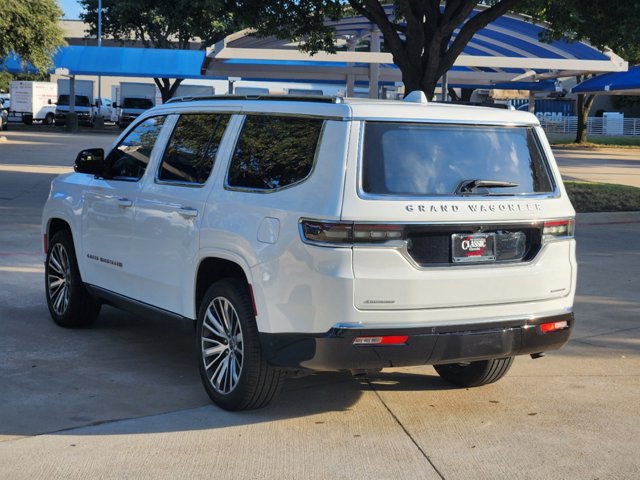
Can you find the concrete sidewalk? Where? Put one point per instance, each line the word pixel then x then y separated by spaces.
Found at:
pixel 606 165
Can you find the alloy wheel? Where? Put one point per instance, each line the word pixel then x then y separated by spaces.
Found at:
pixel 222 345
pixel 59 279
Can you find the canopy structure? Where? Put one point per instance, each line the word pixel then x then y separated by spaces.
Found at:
pixel 507 49
pixel 620 83
pixel 121 62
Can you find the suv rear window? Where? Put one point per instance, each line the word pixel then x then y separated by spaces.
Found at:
pixel 274 152
pixel 420 159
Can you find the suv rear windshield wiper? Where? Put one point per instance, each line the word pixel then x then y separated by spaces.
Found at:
pixel 467 187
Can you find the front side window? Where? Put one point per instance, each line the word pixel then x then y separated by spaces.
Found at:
pixel 274 152
pixel 129 160
pixel 192 150
pixel 419 159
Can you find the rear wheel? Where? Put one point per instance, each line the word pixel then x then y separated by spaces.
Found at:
pixel 234 373
pixel 70 305
pixel 475 374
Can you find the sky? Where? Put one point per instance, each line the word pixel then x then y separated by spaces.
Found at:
pixel 71 9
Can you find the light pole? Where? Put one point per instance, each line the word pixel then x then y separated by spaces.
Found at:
pixel 99 102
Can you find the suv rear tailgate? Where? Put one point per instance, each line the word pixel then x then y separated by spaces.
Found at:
pixel 387 279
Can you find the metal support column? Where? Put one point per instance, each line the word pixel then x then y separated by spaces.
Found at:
pixel 532 101
pixel 374 68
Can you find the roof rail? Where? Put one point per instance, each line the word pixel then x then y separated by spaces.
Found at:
pixel 280 98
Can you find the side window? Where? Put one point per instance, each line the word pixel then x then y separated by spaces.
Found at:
pixel 129 159
pixel 273 152
pixel 192 150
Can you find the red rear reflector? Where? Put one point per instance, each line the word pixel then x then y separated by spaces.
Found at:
pixel 553 326
pixel 45 242
pixel 383 340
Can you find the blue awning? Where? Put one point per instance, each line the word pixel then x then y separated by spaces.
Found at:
pixel 621 83
pixel 13 64
pixel 122 62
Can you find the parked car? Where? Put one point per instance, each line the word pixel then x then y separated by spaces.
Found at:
pixel 322 234
pixel 102 109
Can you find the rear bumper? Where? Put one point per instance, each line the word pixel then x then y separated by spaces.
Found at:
pixel 334 350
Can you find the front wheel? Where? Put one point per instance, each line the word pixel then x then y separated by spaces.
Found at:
pixel 234 373
pixel 48 119
pixel 475 374
pixel 70 305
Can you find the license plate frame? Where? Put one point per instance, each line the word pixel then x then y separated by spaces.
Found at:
pixel 473 247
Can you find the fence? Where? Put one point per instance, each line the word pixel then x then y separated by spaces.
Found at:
pixel 595 126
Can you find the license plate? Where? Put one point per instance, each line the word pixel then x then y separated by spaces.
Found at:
pixel 473 247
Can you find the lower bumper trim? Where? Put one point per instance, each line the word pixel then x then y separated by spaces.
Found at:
pixel 335 350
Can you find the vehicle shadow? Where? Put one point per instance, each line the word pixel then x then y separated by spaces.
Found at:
pixel 127 367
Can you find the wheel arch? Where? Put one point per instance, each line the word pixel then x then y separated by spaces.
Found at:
pixel 56 224
pixel 213 268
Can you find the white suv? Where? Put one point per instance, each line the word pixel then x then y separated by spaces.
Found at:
pixel 322 234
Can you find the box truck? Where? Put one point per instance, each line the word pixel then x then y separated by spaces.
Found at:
pixel 133 99
pixel 83 102
pixel 194 91
pixel 33 101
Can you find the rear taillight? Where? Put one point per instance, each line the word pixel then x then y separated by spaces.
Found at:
pixel 554 326
pixel 558 230
pixel 348 233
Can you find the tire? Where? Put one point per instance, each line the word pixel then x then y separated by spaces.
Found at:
pixel 70 305
pixel 48 119
pixel 475 374
pixel 232 369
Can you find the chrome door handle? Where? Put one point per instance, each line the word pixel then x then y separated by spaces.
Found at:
pixel 124 202
pixel 188 212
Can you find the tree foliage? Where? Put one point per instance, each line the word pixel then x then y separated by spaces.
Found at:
pixel 603 23
pixel 31 29
pixel 419 35
pixel 162 24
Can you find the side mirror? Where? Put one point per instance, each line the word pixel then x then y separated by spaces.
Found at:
pixel 114 105
pixel 50 102
pixel 90 161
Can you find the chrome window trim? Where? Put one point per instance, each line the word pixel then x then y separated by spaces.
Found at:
pixel 432 121
pixel 279 189
pixel 479 322
pixel 448 196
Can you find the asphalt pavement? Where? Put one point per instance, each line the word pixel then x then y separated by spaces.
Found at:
pixel 123 399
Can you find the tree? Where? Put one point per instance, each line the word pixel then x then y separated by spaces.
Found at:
pixel 31 29
pixel 419 35
pixel 162 24
pixel 603 23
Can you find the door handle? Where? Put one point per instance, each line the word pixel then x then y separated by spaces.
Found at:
pixel 124 202
pixel 188 212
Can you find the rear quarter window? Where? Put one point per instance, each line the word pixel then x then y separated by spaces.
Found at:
pixel 409 159
pixel 274 152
